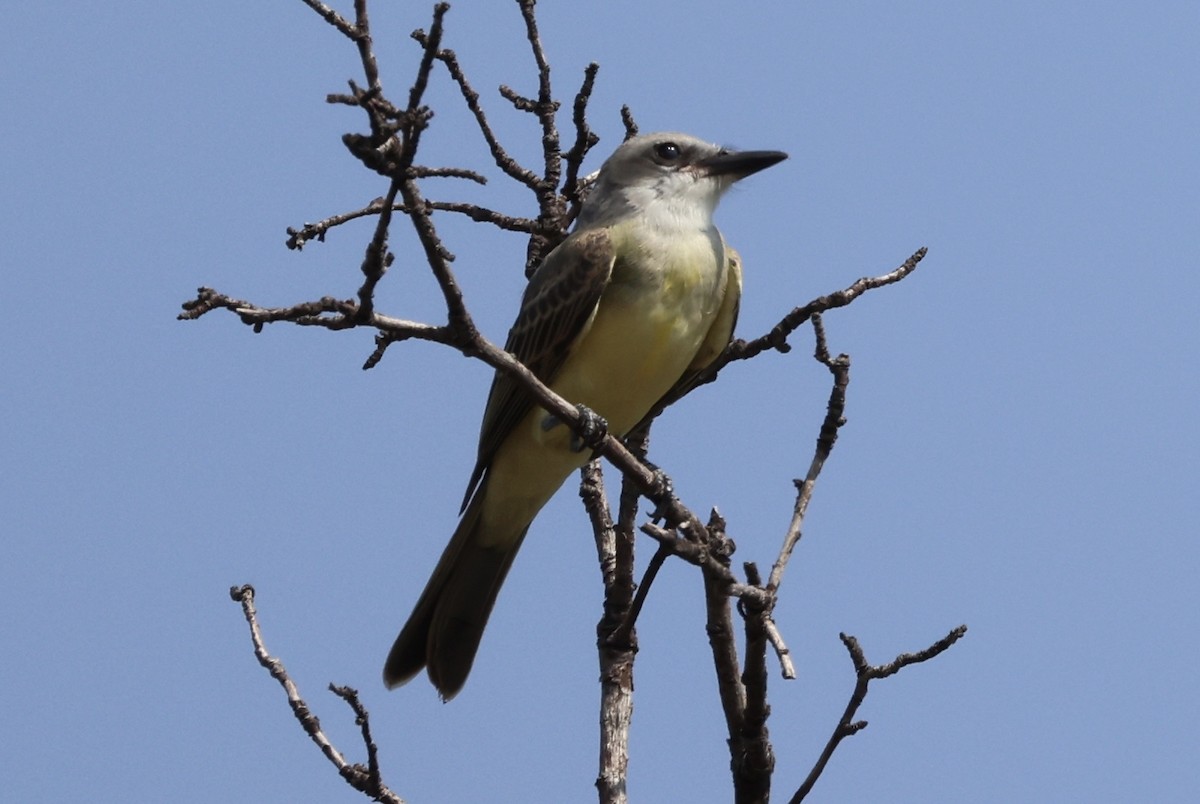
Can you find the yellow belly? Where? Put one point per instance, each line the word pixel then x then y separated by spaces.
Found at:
pixel 639 344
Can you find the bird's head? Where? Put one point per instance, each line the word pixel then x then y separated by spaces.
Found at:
pixel 671 178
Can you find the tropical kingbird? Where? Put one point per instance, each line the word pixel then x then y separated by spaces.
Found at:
pixel 642 295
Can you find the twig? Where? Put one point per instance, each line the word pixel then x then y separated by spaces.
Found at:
pixel 333 18
pixel 545 108
pixel 835 417
pixel 327 312
pixel 366 780
pixel 430 44
pixel 298 238
pixel 621 634
pixel 631 126
pixel 777 337
pixel 866 673
pixel 374 781
pixel 585 138
pixel 377 259
pixel 503 160
pixel 786 668
pixel 366 48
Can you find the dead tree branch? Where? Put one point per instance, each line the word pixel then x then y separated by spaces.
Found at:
pixel 865 674
pixel 367 780
pixel 390 148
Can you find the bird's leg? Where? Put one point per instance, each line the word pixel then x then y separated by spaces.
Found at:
pixel 595 428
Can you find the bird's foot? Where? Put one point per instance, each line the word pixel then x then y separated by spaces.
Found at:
pixel 595 428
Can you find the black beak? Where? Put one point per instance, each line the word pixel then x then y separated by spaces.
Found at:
pixel 740 164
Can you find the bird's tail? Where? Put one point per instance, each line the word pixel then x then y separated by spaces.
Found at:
pixel 443 632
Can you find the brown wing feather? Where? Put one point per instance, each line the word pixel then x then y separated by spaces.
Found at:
pixel 556 309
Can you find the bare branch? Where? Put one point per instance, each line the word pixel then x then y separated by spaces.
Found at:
pixel 786 668
pixel 366 48
pixel 478 214
pixel 298 238
pixel 754 759
pixel 503 161
pixel 327 312
pixel 430 42
pixel 656 561
pixel 419 172
pixel 377 259
pixel 866 673
pixel 366 780
pixel 835 417
pixel 334 19
pixel 373 784
pixel 391 149
pixel 616 662
pixel 545 108
pixel 591 491
pixel 777 337
pixel 585 138
pixel 719 625
pixel 631 126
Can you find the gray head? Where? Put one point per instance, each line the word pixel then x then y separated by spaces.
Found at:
pixel 673 179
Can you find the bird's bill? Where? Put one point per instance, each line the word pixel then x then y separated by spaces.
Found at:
pixel 740 164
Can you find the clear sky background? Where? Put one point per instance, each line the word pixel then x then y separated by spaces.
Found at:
pixel 1022 435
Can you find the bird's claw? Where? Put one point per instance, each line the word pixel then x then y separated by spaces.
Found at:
pixel 595 428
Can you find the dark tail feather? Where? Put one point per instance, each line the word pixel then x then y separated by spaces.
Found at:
pixel 444 629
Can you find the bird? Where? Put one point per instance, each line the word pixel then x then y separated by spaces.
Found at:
pixel 641 296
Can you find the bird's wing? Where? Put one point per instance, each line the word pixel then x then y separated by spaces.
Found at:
pixel 557 308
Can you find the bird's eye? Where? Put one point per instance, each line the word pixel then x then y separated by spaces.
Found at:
pixel 668 152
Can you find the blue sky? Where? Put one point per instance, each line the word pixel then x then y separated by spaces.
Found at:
pixel 1022 415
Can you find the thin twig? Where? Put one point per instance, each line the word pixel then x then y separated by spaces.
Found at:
pixel 631 126
pixel 786 667
pixel 835 417
pixel 866 673
pixel 366 48
pixel 777 337
pixel 373 785
pixel 378 258
pixel 545 108
pixel 585 138
pixel 423 172
pixel 503 160
pixel 367 780
pixel 333 18
pixel 298 238
pixel 621 634
pixel 430 44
